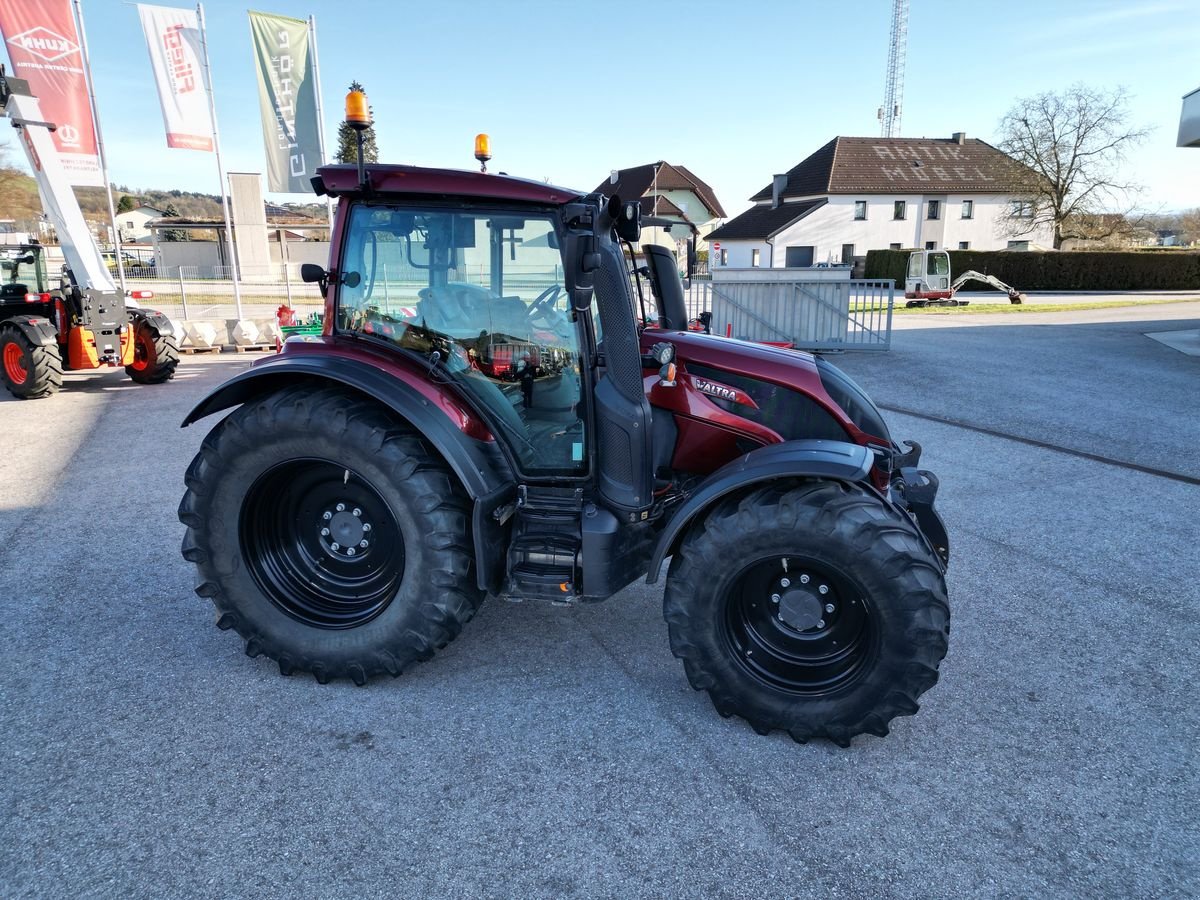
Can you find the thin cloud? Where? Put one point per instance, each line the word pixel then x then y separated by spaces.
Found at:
pixel 1089 21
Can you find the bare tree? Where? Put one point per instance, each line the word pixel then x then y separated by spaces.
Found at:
pixel 1071 147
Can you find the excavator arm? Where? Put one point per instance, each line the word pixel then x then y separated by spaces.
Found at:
pixel 1014 295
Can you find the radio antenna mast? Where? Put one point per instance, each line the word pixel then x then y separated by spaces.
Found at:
pixel 893 92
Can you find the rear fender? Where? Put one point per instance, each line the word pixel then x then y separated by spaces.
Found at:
pixel 153 318
pixel 38 330
pixel 483 474
pixel 833 460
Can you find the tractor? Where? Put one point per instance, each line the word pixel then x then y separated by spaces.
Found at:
pixel 376 482
pixel 47 328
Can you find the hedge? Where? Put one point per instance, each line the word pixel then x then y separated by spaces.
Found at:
pixel 1092 270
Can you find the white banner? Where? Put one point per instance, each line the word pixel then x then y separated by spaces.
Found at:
pixel 173 38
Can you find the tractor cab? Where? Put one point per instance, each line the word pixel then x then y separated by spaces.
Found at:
pixel 928 276
pixel 22 273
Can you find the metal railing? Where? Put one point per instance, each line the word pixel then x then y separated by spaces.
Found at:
pixel 206 292
pixel 811 315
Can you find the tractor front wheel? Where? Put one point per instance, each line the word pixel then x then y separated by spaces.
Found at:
pixel 815 609
pixel 155 355
pixel 30 370
pixel 330 536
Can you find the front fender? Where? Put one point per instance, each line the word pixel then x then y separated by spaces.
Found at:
pixel 834 460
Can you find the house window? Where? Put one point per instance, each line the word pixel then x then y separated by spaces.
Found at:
pixel 900 210
pixel 1022 209
pixel 860 210
pixel 934 209
pixel 724 257
pixel 931 245
pixel 754 258
pixel 968 209
pixel 1018 245
pixel 893 246
pixel 964 245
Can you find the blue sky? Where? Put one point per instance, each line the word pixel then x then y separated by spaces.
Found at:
pixel 570 90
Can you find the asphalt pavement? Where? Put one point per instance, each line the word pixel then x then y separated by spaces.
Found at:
pixel 556 752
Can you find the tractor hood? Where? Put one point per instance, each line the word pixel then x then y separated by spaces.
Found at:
pixel 795 370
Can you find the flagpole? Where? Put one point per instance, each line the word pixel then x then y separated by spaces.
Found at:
pixel 316 67
pixel 87 78
pixel 212 108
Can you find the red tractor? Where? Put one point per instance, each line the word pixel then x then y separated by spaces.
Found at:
pixel 376 482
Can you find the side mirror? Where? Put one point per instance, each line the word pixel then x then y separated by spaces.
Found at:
pixel 627 218
pixel 312 273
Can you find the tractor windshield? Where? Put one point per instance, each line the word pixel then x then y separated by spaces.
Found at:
pixel 484 291
pixel 21 265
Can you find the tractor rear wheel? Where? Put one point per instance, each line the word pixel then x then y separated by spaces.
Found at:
pixel 330 536
pixel 30 370
pixel 155 355
pixel 831 620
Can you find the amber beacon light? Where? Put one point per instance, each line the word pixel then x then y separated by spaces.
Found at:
pixel 483 150
pixel 357 114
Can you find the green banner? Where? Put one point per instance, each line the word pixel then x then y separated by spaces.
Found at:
pixel 287 98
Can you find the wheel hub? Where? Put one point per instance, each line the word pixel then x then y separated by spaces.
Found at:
pixel 344 531
pixel 801 609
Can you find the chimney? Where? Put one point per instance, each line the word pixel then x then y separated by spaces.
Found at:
pixel 959 137
pixel 777 186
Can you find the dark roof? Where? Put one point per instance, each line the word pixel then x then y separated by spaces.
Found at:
pixel 343 179
pixel 642 180
pixel 661 206
pixel 761 222
pixel 859 165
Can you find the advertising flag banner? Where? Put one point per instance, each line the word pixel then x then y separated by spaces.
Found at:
pixel 44 48
pixel 173 39
pixel 287 99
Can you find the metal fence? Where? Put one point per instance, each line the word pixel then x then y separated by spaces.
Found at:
pixel 206 293
pixel 811 315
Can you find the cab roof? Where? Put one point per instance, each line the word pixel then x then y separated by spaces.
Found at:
pixel 393 179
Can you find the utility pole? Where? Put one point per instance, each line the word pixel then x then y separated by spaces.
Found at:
pixel 893 91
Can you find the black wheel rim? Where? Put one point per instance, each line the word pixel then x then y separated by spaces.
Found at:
pixel 321 543
pixel 799 626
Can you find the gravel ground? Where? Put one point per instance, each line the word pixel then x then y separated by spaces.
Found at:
pixel 554 752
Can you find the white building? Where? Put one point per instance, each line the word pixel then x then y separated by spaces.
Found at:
pixel 132 224
pixel 673 194
pixel 860 194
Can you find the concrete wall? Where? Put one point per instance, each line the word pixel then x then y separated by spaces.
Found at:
pixel 249 224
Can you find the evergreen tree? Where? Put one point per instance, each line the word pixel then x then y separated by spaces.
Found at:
pixel 172 234
pixel 347 151
pixel 126 204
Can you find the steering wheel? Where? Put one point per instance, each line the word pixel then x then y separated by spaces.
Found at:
pixel 544 302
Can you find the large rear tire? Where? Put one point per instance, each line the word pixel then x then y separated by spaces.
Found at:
pixel 330 536
pixel 30 371
pixel 155 355
pixel 816 609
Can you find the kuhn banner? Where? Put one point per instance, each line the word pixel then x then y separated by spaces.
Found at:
pixel 44 48
pixel 176 55
pixel 287 99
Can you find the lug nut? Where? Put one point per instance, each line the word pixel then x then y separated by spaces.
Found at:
pixel 829 607
pixel 366 526
pixel 804 579
pixel 821 624
pixel 824 589
pixel 351 552
pixel 785 582
pixel 341 507
pixel 363 544
pixel 356 512
pixel 775 598
pixel 336 546
pixel 327 516
pixel 324 532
